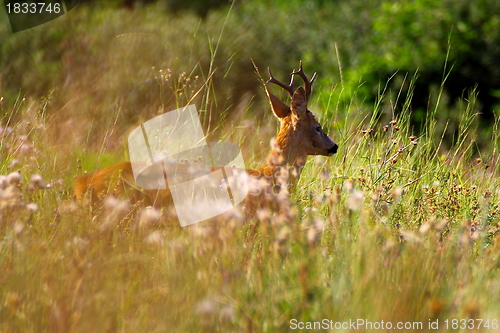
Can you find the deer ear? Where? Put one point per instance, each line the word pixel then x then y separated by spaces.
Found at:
pixel 299 102
pixel 280 109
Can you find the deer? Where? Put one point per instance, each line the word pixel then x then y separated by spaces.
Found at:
pixel 300 135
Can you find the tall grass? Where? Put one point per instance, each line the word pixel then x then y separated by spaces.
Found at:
pixel 391 228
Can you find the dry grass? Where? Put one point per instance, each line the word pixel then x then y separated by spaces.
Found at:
pixel 391 229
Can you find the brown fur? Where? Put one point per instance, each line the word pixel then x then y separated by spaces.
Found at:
pixel 118 180
pixel 300 135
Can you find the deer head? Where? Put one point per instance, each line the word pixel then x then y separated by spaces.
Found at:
pixel 300 133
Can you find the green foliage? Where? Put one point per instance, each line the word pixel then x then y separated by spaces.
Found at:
pixel 439 39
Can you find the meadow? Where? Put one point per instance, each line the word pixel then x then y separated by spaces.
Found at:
pixel 399 226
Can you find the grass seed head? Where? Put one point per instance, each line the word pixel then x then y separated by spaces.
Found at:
pixel 312 236
pixel 37 181
pixel 3 182
pixel 348 185
pixel 18 227
pixel 149 217
pixel 32 207
pixel 319 160
pixel 355 200
pixel 14 178
pixel 424 228
pixel 154 238
pixel 14 164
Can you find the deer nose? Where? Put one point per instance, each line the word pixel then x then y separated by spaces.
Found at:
pixel 333 150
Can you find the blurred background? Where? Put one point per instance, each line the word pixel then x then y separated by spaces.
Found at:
pixel 122 61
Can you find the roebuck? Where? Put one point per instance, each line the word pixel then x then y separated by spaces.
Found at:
pixel 300 135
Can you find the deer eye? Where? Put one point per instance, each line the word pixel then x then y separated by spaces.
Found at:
pixel 318 129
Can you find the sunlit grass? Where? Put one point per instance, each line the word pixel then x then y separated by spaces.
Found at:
pixel 391 228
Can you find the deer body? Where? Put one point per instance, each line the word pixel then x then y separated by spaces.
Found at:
pixel 300 135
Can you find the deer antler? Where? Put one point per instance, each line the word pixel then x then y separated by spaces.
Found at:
pixel 288 88
pixel 307 83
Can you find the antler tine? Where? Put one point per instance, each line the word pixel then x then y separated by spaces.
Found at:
pixel 307 83
pixel 288 88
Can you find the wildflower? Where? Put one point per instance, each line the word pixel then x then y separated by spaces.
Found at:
pixel 37 182
pixel 283 235
pixel 69 207
pixel 3 182
pixel 396 193
pixel 11 195
pixel 206 307
pixel 14 163
pixel 424 228
pixel 154 238
pixel 314 233
pixel 319 160
pixel 18 227
pixel 318 225
pixel 111 202
pixel 355 200
pixel 410 236
pixel 116 211
pixel 348 185
pixel 263 215
pixel 14 178
pixel 311 237
pixel 25 149
pixel 149 217
pixel 32 207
